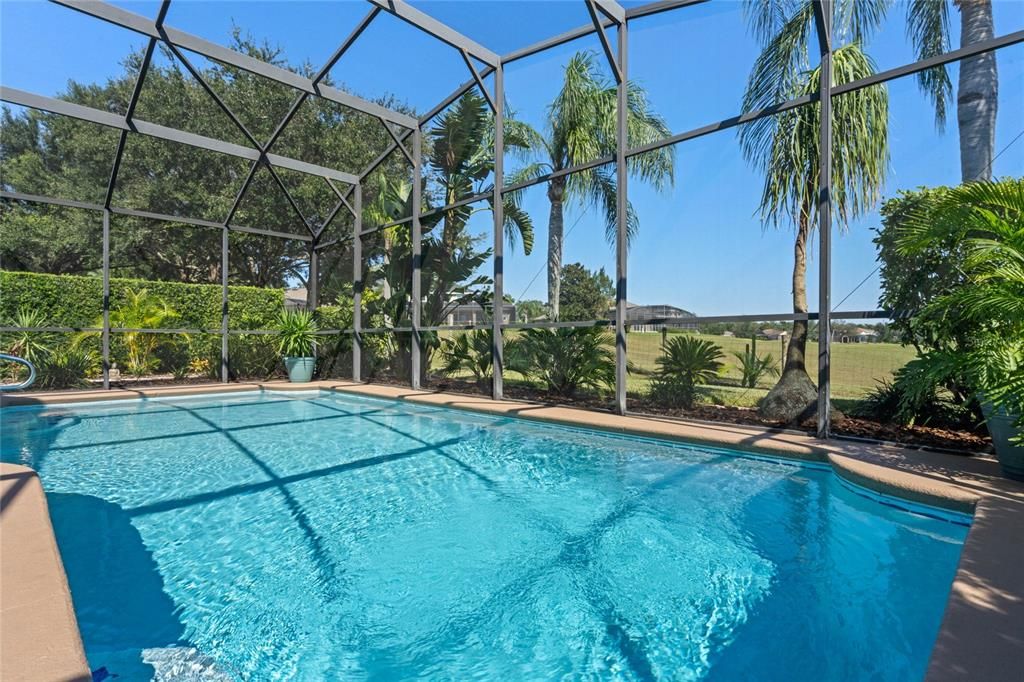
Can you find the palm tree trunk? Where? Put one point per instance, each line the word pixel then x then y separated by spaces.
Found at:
pixel 796 352
pixel 794 398
pixel 977 93
pixel 556 226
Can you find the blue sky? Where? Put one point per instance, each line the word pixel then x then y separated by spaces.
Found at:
pixel 701 245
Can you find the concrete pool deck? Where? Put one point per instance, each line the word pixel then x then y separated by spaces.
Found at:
pixel 982 632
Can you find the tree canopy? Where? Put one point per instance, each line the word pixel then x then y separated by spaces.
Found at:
pixel 53 155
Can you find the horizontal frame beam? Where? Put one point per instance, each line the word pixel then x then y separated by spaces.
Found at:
pixel 148 215
pixel 772 317
pixel 442 32
pixel 210 50
pixel 111 120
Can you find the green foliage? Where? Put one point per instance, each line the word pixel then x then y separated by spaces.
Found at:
pixel 985 220
pixel 754 367
pixel 685 363
pixel 67 367
pixel 564 359
pixel 469 352
pixel 58 156
pixel 140 310
pixel 582 127
pixel 910 279
pixel 531 311
pixel 72 301
pixel 585 295
pixel 31 346
pixel 297 334
pixel 911 399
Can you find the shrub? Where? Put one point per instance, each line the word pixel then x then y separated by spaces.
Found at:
pixel 469 352
pixel 685 363
pixel 754 367
pixel 564 359
pixel 67 367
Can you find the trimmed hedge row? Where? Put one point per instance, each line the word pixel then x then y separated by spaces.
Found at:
pixel 75 301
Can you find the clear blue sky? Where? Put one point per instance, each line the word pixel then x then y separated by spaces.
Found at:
pixel 701 245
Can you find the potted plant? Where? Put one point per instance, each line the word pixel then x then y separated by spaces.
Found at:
pixel 297 343
pixel 986 221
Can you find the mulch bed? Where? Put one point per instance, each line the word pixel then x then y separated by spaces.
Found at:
pixel 966 442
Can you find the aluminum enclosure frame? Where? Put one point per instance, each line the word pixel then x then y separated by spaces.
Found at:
pixel 606 16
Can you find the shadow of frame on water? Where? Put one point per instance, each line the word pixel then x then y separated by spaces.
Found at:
pixel 128 623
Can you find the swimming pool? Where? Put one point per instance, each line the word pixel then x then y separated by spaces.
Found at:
pixel 324 536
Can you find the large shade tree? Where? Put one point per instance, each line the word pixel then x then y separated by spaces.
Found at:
pixel 786 148
pixel 580 128
pixel 53 155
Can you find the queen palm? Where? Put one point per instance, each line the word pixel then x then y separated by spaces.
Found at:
pixel 580 128
pixel 784 26
pixel 786 148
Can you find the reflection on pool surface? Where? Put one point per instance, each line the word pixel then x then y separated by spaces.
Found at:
pixel 323 536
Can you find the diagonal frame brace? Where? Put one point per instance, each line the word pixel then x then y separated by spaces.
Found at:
pixel 398 142
pixel 609 53
pixel 479 81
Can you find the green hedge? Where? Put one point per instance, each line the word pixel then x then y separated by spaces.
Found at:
pixel 74 301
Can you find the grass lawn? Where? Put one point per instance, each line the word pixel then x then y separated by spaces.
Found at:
pixel 856 367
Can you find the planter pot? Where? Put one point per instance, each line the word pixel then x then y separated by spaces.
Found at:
pixel 1010 455
pixel 300 370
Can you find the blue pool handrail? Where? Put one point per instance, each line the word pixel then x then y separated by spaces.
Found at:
pixel 24 384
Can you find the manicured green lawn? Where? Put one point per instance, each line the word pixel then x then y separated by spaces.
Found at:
pixel 856 367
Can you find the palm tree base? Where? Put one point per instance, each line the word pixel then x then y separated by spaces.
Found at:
pixel 792 400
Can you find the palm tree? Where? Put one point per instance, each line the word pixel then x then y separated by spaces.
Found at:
pixel 581 127
pixel 786 148
pixel 784 26
pixel 459 157
pixel 978 87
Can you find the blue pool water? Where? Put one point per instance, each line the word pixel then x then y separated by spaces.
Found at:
pixel 320 536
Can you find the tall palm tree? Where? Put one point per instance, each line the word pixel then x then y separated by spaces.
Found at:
pixel 458 156
pixel 978 86
pixel 785 28
pixel 786 148
pixel 581 127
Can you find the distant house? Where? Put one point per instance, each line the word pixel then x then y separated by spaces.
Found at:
pixel 855 335
pixel 473 313
pixel 727 333
pixel 650 318
pixel 772 334
pixel 295 299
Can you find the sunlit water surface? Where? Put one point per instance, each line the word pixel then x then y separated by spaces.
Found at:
pixel 320 537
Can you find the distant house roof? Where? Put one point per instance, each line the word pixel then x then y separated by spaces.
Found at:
pixel 772 333
pixel 658 311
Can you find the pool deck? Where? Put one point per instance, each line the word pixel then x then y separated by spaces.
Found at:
pixel 982 633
